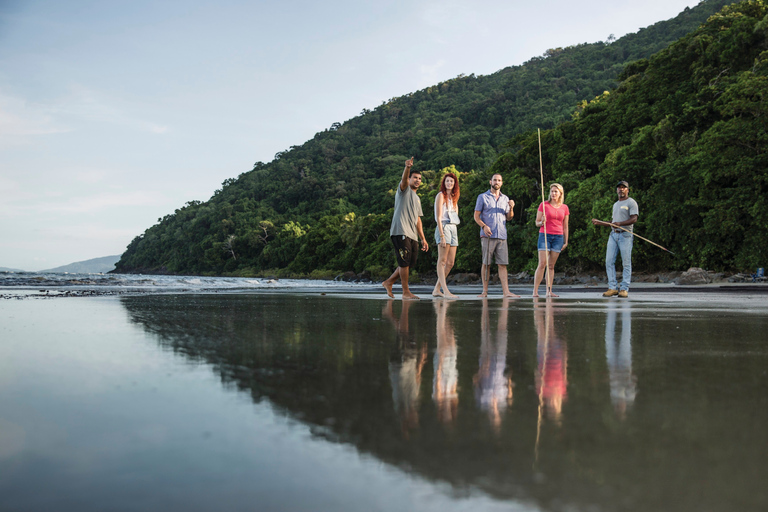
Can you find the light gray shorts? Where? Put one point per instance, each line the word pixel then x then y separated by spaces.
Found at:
pixel 451 233
pixel 496 248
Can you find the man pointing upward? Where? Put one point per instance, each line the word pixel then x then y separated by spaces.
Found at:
pixel 406 230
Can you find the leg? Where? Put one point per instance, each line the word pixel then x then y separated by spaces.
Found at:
pixel 611 252
pixel 450 257
pixel 551 272
pixel 442 255
pixel 539 275
pixel 404 272
pixel 625 246
pixel 400 253
pixel 484 271
pixel 504 281
pixel 436 291
pixel 390 282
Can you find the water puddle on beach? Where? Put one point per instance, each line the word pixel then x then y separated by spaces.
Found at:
pixel 331 402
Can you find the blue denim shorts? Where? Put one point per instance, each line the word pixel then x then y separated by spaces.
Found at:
pixel 451 233
pixel 554 242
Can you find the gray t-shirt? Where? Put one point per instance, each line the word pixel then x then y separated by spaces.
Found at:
pixel 407 213
pixel 623 210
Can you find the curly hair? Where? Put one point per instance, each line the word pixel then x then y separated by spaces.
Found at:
pixel 456 192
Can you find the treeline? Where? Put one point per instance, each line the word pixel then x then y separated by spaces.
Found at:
pixel 687 129
pixel 327 204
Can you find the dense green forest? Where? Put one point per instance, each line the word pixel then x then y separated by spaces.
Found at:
pixel 684 122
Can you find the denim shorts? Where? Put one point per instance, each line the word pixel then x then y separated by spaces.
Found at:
pixel 451 235
pixel 554 242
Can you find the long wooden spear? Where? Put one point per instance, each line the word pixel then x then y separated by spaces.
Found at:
pixel 544 213
pixel 638 236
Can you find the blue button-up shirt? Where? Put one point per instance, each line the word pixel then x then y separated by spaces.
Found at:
pixel 493 213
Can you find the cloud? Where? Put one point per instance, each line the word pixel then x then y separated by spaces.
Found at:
pixel 454 17
pixel 103 201
pixel 91 105
pixel 89 232
pixel 21 121
pixel 28 203
pixel 92 176
pixel 429 73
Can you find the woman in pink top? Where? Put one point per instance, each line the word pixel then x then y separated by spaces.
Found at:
pixel 552 218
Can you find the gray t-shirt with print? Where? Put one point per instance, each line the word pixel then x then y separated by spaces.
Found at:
pixel 623 210
pixel 407 213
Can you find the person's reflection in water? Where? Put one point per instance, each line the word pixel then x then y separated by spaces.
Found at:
pixel 493 387
pixel 552 354
pixel 445 386
pixel 619 356
pixel 405 366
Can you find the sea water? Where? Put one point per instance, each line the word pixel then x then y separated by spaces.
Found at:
pixel 344 400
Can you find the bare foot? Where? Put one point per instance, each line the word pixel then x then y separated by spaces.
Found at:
pixel 437 294
pixel 450 295
pixel 483 295
pixel 535 295
pixel 410 296
pixel 511 295
pixel 388 286
pixel 550 294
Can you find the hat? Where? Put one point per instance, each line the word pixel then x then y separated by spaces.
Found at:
pixel 622 184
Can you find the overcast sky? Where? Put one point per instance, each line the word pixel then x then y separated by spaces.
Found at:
pixel 113 114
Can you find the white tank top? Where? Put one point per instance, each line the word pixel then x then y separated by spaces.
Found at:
pixel 447 206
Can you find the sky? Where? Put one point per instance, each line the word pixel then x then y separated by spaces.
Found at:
pixel 114 114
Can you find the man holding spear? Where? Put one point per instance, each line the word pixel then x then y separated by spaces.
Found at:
pixel 492 211
pixel 625 212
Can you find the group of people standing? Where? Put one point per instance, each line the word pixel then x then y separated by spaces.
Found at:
pixel 492 211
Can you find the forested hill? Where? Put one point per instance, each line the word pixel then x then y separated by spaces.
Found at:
pixel 688 128
pixel 327 203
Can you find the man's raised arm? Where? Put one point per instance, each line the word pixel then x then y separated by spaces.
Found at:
pixel 406 174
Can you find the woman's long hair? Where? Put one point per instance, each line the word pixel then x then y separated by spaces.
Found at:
pixel 455 193
pixel 562 193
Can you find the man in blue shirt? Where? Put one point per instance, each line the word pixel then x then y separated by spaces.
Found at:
pixel 492 210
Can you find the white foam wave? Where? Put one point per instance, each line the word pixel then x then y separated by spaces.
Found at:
pixel 30 280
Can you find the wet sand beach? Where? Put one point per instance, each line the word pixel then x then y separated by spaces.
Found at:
pixel 340 399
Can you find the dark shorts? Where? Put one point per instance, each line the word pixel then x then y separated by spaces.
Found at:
pixel 406 250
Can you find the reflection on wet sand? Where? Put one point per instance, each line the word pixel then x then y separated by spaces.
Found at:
pixel 552 355
pixel 445 386
pixel 405 366
pixel 326 363
pixel 493 387
pixel 618 354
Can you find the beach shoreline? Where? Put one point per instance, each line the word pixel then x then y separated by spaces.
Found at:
pixel 639 291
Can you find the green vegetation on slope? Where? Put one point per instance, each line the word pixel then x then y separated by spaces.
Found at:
pixel 327 204
pixel 687 129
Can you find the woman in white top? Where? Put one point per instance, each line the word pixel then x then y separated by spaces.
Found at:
pixel 446 233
